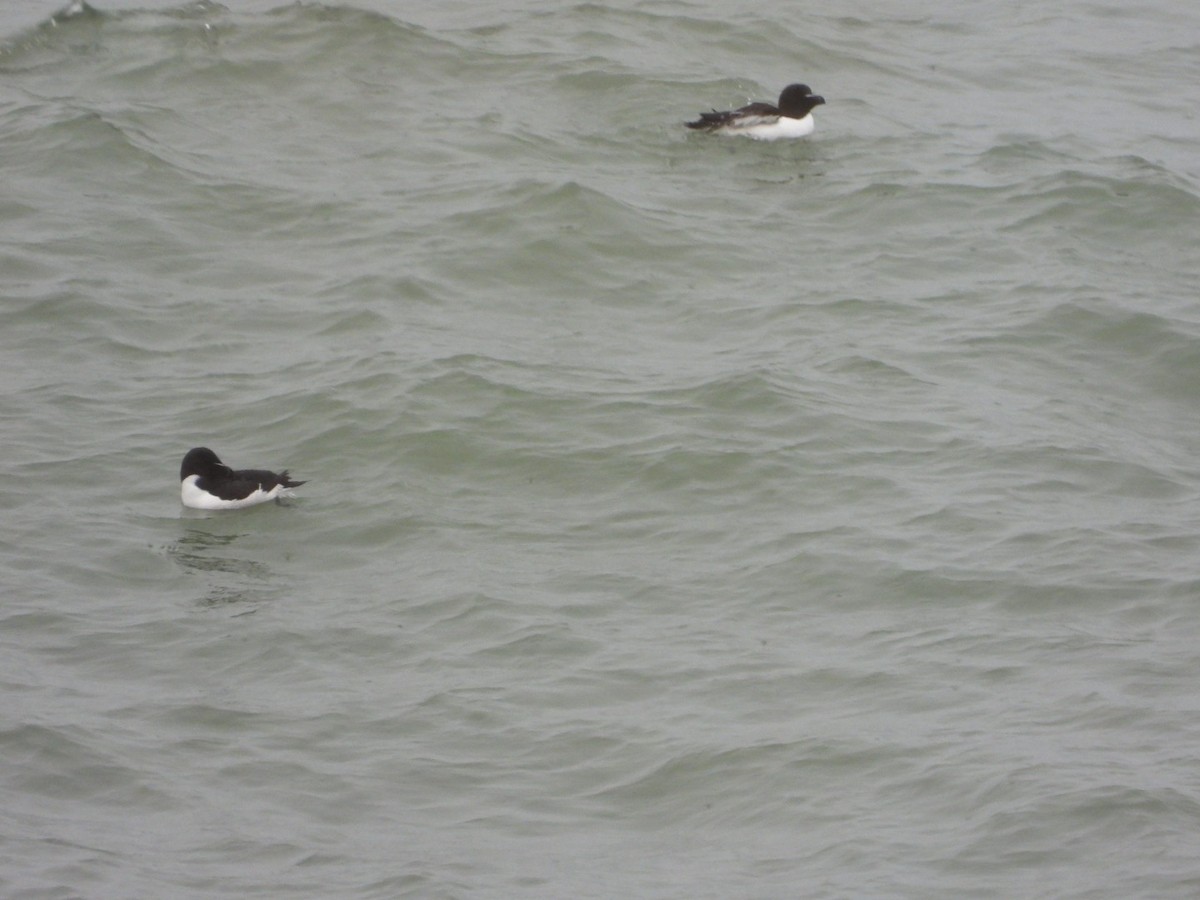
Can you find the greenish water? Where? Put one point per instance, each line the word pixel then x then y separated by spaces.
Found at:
pixel 686 517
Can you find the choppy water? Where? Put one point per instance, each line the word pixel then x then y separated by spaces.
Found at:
pixel 687 517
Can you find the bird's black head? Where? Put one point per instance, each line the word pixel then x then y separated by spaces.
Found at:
pixel 798 100
pixel 201 461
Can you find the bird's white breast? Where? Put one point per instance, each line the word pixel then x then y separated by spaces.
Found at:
pixel 773 128
pixel 196 498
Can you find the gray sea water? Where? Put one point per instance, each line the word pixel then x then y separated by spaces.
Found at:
pixel 687 517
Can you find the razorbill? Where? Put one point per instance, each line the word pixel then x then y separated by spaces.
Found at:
pixel 792 118
pixel 210 484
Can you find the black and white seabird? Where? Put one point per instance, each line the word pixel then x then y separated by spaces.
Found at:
pixel 210 484
pixel 792 118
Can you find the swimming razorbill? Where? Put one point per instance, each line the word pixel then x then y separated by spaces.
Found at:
pixel 210 484
pixel 792 118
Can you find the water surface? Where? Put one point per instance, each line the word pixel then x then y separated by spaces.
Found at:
pixel 686 516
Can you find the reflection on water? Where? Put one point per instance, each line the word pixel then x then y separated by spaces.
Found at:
pixel 232 578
